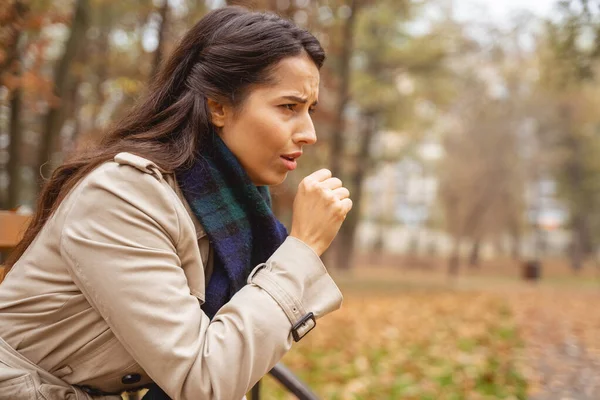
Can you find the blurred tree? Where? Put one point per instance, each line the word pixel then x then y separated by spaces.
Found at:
pixel 158 53
pixel 381 75
pixel 13 21
pixel 63 83
pixel 12 16
pixel 491 161
pixel 269 5
pixel 385 50
pixel 123 43
pixel 336 145
pixel 480 185
pixel 568 75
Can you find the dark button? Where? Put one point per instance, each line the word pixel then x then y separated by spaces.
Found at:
pixel 91 391
pixel 131 379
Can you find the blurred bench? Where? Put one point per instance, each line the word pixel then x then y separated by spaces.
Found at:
pixel 12 228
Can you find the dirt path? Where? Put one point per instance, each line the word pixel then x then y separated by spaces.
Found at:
pixel 561 331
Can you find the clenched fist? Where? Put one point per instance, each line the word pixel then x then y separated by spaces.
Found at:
pixel 320 207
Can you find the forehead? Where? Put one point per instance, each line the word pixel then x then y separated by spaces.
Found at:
pixel 294 75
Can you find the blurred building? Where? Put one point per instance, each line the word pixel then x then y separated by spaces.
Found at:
pixel 400 209
pixel 401 213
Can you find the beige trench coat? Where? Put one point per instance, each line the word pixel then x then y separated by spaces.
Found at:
pixel 108 297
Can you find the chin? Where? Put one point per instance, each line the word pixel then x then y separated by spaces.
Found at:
pixel 272 180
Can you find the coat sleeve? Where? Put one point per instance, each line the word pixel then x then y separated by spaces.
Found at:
pixel 120 239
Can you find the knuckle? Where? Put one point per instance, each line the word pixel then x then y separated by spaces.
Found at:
pixel 329 196
pixel 308 183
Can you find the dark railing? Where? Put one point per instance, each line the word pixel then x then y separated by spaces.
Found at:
pixel 290 381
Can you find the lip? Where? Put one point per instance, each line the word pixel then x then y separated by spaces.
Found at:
pixel 291 164
pixel 294 155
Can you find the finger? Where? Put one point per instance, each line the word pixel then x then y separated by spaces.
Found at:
pixel 321 175
pixel 341 193
pixel 331 183
pixel 346 205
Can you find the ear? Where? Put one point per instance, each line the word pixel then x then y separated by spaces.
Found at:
pixel 217 113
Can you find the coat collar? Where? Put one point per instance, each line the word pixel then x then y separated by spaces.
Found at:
pixel 152 168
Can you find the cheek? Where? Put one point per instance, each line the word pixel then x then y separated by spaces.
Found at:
pixel 271 133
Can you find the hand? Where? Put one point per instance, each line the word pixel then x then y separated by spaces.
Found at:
pixel 319 210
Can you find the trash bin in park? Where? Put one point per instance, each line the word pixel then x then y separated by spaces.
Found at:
pixel 532 270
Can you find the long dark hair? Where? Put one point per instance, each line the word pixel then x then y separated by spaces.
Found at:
pixel 220 57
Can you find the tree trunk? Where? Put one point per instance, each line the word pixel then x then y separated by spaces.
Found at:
pixel 55 116
pixel 577 248
pixel 336 146
pixel 474 256
pixel 454 260
pixel 70 109
pixel 272 5
pixel 158 53
pixel 244 3
pixel 289 11
pixel 575 173
pixel 11 66
pixel 14 150
pixel 515 236
pixel 12 21
pixel 101 46
pixel 345 246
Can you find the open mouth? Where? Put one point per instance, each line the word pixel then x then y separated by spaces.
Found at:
pixel 289 162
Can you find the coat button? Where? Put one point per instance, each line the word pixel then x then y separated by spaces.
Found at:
pixel 130 379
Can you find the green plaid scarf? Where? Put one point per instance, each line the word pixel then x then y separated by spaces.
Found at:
pixel 236 216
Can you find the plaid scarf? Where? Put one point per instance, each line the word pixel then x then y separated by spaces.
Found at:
pixel 236 216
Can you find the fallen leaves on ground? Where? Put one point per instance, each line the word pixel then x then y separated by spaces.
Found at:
pixel 429 345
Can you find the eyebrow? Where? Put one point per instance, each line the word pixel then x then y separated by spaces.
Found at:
pixel 300 100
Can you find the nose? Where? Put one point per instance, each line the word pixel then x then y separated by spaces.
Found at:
pixel 306 133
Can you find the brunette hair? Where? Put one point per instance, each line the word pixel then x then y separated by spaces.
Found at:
pixel 220 57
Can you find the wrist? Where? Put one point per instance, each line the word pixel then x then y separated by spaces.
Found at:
pixel 309 243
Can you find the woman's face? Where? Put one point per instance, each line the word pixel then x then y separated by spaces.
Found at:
pixel 268 131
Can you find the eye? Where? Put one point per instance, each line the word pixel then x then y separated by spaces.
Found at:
pixel 290 107
pixel 312 110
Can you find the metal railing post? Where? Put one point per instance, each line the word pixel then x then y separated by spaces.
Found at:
pixel 287 378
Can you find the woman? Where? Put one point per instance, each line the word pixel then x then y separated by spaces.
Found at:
pixel 156 257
